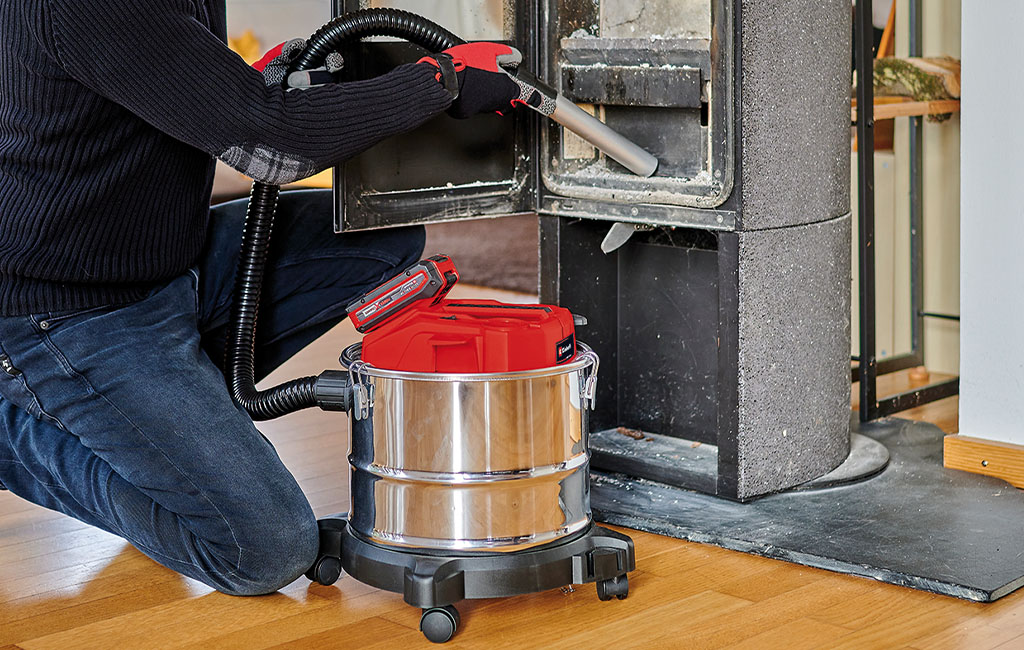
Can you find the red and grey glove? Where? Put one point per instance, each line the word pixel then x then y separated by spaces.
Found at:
pixel 274 65
pixel 484 83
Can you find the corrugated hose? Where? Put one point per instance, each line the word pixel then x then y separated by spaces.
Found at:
pixel 331 390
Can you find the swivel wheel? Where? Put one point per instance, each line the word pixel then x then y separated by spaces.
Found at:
pixel 326 570
pixel 439 624
pixel 617 587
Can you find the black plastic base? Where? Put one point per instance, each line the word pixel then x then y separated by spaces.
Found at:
pixel 432 581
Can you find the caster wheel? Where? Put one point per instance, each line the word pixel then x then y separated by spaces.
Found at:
pixel 326 570
pixel 617 587
pixel 439 624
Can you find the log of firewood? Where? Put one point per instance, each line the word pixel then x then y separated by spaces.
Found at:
pixel 924 79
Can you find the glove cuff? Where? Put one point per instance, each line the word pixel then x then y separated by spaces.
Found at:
pixel 448 76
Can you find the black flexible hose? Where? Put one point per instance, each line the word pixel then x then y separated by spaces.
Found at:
pixel 290 396
pixel 373 22
pixel 323 390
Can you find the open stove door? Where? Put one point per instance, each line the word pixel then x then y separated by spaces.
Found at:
pixel 447 169
pixel 658 71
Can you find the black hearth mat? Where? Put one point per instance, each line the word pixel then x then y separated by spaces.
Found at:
pixel 915 524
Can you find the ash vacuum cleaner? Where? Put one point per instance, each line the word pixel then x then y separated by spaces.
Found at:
pixel 469 454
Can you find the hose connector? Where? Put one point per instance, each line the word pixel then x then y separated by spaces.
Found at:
pixel 333 390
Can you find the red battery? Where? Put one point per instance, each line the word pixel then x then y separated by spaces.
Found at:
pixel 431 279
pixel 473 336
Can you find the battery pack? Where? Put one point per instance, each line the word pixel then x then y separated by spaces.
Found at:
pixel 429 279
pixel 473 336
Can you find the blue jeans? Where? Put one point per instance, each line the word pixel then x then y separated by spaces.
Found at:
pixel 120 416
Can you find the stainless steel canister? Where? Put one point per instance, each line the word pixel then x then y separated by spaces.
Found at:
pixel 489 462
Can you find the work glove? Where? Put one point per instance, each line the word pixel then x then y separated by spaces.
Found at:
pixel 274 65
pixel 485 82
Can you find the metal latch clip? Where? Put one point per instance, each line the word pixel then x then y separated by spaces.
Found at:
pixel 589 388
pixel 362 394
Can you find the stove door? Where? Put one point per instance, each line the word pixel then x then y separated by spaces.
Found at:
pixel 660 72
pixel 447 169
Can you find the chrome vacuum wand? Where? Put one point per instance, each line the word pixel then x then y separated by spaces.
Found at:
pixel 613 144
pixel 599 134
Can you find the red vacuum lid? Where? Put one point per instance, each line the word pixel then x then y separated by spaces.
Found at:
pixel 473 336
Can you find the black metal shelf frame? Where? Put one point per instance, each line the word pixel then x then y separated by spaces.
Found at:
pixel 871 406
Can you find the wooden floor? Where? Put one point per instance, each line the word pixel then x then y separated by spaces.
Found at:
pixel 64 585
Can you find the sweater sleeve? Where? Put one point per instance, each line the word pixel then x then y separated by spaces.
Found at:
pixel 155 58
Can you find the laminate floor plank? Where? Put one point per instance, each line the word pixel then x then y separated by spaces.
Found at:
pixel 733 627
pixel 290 629
pixel 901 626
pixel 1015 643
pixel 179 621
pixel 885 601
pixel 98 551
pixel 581 620
pixel 800 634
pixel 103 577
pixel 763 583
pixel 44 528
pixel 61 543
pixel 76 616
pixel 367 633
pixel 972 633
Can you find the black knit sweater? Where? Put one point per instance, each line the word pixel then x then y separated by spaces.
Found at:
pixel 111 115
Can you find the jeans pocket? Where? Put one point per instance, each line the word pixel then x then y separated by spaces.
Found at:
pixel 14 388
pixel 50 319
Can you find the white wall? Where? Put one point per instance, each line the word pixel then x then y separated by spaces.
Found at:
pixel 992 222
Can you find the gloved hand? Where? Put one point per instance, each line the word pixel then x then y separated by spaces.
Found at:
pixel 274 65
pixel 485 83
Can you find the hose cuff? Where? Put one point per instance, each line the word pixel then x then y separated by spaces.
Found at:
pixel 333 391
